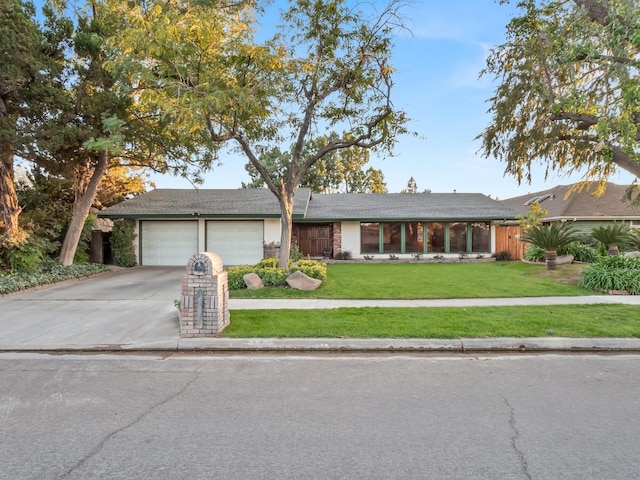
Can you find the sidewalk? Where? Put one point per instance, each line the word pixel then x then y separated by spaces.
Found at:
pixel 56 323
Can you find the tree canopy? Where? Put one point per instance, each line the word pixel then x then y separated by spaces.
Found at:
pixel 568 94
pixel 327 68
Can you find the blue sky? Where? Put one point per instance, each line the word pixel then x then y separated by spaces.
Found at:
pixel 437 84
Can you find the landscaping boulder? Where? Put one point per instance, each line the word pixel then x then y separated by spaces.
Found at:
pixel 253 281
pixel 302 281
pixel 632 254
pixel 564 260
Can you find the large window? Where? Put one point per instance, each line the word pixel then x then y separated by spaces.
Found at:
pixel 458 237
pixel 435 236
pixel 480 237
pixel 392 235
pixel 410 237
pixel 414 237
pixel 370 237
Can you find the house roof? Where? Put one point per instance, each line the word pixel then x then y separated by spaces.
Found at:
pixel 583 204
pixel 236 203
pixel 261 203
pixel 406 206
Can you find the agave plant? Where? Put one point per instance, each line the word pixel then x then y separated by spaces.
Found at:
pixel 550 238
pixel 612 236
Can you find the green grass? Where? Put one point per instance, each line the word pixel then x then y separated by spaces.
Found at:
pixel 564 321
pixel 439 280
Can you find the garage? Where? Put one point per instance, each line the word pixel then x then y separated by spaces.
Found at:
pixel 237 242
pixel 168 242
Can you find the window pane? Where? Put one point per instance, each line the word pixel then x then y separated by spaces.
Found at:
pixel 435 237
pixel 369 238
pixel 392 234
pixel 480 233
pixel 414 237
pixel 458 237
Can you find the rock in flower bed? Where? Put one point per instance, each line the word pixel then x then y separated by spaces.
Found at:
pixel 50 273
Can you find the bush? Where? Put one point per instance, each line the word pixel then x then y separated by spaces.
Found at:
pixel 295 254
pixel 612 273
pixel 271 276
pixel 534 254
pixel 502 256
pixel 235 274
pixel 580 252
pixel 343 255
pixel 121 241
pixel 26 257
pixel 311 268
pixel 270 262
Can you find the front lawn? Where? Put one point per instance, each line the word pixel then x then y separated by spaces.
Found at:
pixel 614 321
pixel 435 280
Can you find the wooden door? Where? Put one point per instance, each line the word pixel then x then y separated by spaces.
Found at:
pixel 314 239
pixel 508 240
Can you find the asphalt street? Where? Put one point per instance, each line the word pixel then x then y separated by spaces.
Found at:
pixel 178 416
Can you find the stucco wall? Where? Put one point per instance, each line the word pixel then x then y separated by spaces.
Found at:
pixel 271 230
pixel 351 238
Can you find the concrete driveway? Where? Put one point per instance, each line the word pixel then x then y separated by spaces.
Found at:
pixel 123 307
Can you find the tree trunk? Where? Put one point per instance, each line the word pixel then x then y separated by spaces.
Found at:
pixel 81 211
pixel 286 208
pixel 613 250
pixel 9 206
pixel 552 255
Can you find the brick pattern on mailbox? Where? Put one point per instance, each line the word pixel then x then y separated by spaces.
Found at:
pixel 210 317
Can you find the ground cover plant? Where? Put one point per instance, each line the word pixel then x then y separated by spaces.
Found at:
pixel 613 273
pixel 48 272
pixel 435 280
pixel 619 321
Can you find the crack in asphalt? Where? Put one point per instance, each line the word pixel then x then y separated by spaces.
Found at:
pixel 104 441
pixel 514 439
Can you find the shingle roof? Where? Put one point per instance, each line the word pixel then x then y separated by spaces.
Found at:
pixel 205 202
pixel 406 206
pixel 317 207
pixel 578 204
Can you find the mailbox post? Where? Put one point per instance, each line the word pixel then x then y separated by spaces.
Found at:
pixel 204 303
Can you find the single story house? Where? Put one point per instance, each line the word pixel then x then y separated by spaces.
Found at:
pixel 586 210
pixel 237 224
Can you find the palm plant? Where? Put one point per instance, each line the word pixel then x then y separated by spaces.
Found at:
pixel 612 236
pixel 551 238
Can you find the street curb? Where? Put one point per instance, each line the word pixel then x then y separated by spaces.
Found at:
pixel 332 345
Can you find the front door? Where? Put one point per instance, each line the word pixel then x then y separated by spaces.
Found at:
pixel 313 240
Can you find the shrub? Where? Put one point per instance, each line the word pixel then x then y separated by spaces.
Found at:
pixel 612 236
pixel 271 276
pixel 270 262
pixel 534 253
pixel 343 255
pixel 580 252
pixel 26 257
pixel 235 274
pixel 612 273
pixel 502 256
pixel 311 268
pixel 295 254
pixel 121 242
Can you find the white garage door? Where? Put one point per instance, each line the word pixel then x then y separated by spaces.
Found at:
pixel 168 243
pixel 237 243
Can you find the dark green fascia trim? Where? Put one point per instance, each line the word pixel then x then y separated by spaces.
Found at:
pixel 183 216
pixel 404 219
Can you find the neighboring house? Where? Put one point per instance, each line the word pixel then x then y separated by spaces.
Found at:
pixel 173 224
pixel 583 208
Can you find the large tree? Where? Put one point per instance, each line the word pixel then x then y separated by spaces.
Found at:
pixel 30 65
pixel 568 93
pixel 327 68
pixel 97 126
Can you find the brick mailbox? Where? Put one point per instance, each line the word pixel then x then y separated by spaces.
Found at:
pixel 204 304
